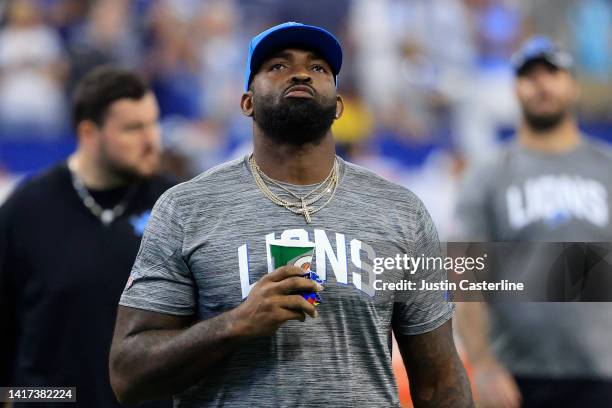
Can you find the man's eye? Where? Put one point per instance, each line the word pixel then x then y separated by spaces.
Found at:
pixel 133 128
pixel 277 67
pixel 319 68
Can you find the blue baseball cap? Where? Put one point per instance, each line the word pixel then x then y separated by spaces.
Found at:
pixel 293 35
pixel 541 49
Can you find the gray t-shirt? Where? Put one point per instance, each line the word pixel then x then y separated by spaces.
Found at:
pixel 205 245
pixel 528 196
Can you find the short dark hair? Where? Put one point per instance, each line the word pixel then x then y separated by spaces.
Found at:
pixel 100 88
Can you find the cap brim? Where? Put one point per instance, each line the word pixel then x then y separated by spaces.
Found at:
pixel 558 60
pixel 306 37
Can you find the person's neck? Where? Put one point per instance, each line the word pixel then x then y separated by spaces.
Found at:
pixel 91 174
pixel 561 139
pixel 306 164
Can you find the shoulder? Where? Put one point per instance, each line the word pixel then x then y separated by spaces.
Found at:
pixel 402 213
pixel 221 173
pixel 216 181
pixel 38 188
pixel 484 174
pixel 375 188
pixel 598 148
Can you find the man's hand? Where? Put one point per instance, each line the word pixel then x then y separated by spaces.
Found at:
pixel 275 299
pixel 494 385
pixel 157 355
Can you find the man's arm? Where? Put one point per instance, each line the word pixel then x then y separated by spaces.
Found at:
pixel 494 385
pixel 156 355
pixel 473 327
pixel 437 376
pixel 153 354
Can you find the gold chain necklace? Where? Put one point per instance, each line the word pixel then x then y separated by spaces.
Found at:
pixel 303 205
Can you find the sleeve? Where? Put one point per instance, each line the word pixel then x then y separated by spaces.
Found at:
pixel 425 310
pixel 8 320
pixel 472 213
pixel 160 280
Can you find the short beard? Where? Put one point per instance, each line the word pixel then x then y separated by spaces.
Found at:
pixel 118 171
pixel 544 123
pixel 294 121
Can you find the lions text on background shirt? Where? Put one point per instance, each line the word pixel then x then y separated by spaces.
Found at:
pixel 529 196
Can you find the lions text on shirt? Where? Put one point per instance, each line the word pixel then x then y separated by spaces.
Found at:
pixel 206 245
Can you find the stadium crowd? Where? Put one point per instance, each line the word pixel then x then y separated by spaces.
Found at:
pixel 441 89
pixel 428 85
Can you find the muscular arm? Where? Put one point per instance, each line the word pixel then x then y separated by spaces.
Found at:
pixel 156 355
pixel 437 376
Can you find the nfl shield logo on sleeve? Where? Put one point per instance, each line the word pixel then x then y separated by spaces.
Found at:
pixel 129 283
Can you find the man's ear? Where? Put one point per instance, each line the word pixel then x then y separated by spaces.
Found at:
pixel 246 103
pixel 339 107
pixel 87 132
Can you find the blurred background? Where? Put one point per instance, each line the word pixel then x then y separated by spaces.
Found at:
pixel 427 84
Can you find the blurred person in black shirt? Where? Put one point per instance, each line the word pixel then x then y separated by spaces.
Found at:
pixel 69 237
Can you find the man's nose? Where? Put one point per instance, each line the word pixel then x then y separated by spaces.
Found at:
pixel 301 74
pixel 152 134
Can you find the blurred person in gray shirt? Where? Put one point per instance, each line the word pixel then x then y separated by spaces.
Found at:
pixel 552 184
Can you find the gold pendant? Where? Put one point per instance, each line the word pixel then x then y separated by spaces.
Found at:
pixel 307 216
pixel 305 211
